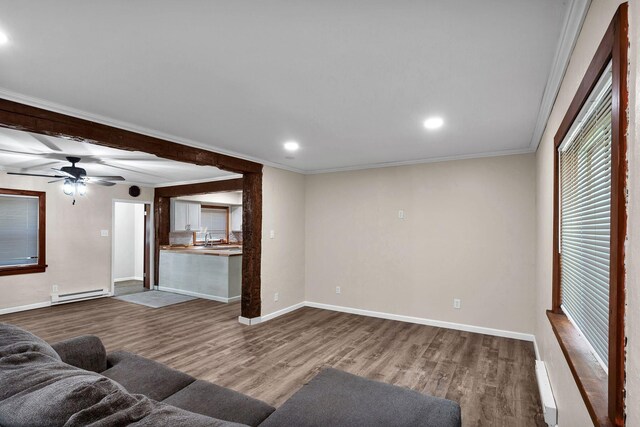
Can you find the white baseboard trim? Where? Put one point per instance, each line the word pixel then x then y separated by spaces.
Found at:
pixel 423 321
pixel 285 310
pixel 25 307
pixel 198 295
pixel 124 279
pixel 535 348
pixel 398 317
pixel 249 321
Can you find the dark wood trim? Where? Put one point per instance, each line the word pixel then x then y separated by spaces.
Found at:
pixel 41 266
pixel 620 103
pixel 590 378
pixel 610 409
pixel 148 231
pixel 251 244
pixel 27 118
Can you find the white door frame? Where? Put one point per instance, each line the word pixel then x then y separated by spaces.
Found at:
pixel 113 246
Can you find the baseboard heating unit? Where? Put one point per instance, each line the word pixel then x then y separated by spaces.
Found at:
pixel 77 296
pixel 549 408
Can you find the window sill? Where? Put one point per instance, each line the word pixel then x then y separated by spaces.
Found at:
pixel 591 379
pixel 28 269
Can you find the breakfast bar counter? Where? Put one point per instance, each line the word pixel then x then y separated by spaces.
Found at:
pixel 205 272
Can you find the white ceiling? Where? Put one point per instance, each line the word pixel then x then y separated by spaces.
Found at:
pixel 31 153
pixel 351 80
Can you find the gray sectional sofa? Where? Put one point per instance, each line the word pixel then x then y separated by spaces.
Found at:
pixel 76 383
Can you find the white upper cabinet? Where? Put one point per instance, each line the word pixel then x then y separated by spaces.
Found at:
pixel 185 215
pixel 236 218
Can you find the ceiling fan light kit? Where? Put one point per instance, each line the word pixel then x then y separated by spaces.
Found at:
pixel 75 179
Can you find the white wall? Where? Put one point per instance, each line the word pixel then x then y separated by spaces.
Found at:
pixel 283 256
pixel 224 198
pixel 571 408
pixel 128 237
pixel 468 234
pixel 78 257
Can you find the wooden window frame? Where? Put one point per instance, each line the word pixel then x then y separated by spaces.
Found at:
pixel 41 266
pixel 603 394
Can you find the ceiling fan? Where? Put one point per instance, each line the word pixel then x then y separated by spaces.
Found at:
pixel 75 178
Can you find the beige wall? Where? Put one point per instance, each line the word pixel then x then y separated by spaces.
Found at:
pixel 283 256
pixel 78 257
pixel 633 245
pixel 571 408
pixel 468 234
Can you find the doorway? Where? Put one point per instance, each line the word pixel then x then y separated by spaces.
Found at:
pixel 131 247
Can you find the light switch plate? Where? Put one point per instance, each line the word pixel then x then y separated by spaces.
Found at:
pixel 104 233
pixel 272 234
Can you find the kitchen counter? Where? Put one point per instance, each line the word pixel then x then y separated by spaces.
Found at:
pixel 227 250
pixel 218 276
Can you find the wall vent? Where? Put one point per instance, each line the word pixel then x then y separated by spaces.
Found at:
pixel 77 296
pixel 549 408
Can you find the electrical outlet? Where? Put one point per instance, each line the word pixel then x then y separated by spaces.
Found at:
pixel 275 296
pixel 54 289
pixel 401 214
pixel 456 303
pixel 338 290
pixel 272 234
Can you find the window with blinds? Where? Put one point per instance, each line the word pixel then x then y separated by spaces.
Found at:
pixel 585 219
pixel 18 230
pixel 214 221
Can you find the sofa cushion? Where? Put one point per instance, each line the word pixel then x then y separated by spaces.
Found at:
pixel 218 402
pixel 144 376
pixel 15 340
pixel 336 398
pixel 86 352
pixel 38 389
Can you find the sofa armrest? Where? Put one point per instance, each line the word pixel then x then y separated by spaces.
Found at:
pixel 85 352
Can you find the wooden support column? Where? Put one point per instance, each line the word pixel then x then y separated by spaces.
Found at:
pixel 252 244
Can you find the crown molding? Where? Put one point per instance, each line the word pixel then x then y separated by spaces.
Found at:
pixel 422 161
pixel 573 21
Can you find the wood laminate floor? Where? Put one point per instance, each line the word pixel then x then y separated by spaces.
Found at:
pixel 492 378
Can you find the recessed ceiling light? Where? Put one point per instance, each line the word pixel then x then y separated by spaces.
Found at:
pixel 4 39
pixel 291 146
pixel 433 123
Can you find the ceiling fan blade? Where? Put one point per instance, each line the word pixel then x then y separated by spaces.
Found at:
pixel 35 174
pixel 105 178
pixel 103 183
pixel 46 142
pixel 20 153
pixel 56 180
pixel 67 174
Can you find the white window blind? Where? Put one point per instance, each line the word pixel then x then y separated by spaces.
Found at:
pixel 585 220
pixel 18 230
pixel 214 222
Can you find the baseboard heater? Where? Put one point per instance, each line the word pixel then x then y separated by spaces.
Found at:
pixel 549 408
pixel 77 296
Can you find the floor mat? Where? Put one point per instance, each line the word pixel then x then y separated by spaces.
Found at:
pixel 155 299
